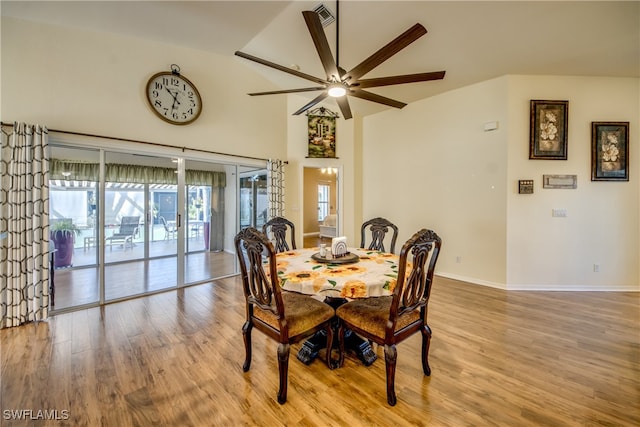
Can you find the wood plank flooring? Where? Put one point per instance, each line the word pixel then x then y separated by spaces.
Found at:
pixel 77 286
pixel 175 359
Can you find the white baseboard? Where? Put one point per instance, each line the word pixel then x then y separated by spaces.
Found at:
pixel 543 287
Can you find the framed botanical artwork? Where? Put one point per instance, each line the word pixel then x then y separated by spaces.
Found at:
pixel 548 130
pixel 609 151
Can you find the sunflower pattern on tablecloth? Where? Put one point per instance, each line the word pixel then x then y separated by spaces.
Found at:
pixel 354 289
pixel 286 254
pixel 374 275
pixel 300 276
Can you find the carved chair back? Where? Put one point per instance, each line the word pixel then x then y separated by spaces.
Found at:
pixel 418 258
pixel 378 227
pixel 278 227
pixel 259 286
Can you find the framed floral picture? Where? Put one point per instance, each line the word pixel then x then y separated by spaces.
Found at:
pixel 609 151
pixel 548 130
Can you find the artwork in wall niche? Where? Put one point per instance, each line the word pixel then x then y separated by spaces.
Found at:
pixel 609 151
pixel 548 130
pixel 322 133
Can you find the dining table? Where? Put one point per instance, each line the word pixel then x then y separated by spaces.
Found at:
pixel 360 273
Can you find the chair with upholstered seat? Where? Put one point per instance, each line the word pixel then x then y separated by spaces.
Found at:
pixel 278 227
pixel 379 227
pixel 389 320
pixel 286 317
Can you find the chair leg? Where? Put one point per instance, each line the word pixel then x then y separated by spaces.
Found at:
pixel 390 356
pixel 283 369
pixel 329 361
pixel 341 344
pixel 246 334
pixel 426 340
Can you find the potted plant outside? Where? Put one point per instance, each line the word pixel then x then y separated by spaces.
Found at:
pixel 63 234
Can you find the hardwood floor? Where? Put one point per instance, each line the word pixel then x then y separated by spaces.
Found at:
pixel 313 241
pixel 74 287
pixel 175 359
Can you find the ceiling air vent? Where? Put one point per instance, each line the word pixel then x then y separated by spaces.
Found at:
pixel 326 17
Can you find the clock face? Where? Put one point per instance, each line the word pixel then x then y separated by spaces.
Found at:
pixel 174 98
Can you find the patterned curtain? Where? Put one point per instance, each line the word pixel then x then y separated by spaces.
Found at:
pixel 275 187
pixel 24 219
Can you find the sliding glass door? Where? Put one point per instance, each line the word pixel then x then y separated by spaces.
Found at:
pixel 141 196
pixel 205 229
pixel 73 225
pixel 143 223
pixel 253 198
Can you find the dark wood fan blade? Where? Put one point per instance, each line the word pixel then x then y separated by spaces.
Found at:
pixel 363 94
pixel 311 103
pixel 398 80
pixel 277 92
pixel 343 103
pixel 322 45
pixel 386 52
pixel 281 68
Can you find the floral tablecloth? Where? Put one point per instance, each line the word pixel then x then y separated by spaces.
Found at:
pixel 374 275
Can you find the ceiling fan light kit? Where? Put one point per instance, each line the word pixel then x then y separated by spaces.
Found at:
pixel 339 82
pixel 337 90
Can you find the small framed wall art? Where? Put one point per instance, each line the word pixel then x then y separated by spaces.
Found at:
pixel 548 130
pixel 609 151
pixel 322 133
pixel 560 181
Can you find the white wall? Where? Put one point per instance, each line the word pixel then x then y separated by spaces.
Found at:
pixel 603 217
pixel 91 82
pixel 94 83
pixel 432 165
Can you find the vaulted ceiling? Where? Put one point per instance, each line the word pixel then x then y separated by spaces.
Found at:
pixel 472 40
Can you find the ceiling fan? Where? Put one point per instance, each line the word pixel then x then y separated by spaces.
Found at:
pixel 339 82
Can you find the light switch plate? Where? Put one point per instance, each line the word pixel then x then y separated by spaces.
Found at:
pixel 559 213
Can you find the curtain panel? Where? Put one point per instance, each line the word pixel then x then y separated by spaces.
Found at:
pixel 275 187
pixel 24 217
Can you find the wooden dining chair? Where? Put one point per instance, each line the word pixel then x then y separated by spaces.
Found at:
pixel 278 226
pixel 379 227
pixel 389 320
pixel 286 317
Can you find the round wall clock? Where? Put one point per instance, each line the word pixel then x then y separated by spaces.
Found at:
pixel 173 97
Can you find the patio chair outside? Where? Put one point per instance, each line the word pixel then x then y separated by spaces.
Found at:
pixel 125 234
pixel 170 231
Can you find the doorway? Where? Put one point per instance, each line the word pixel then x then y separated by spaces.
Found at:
pixel 254 201
pixel 320 204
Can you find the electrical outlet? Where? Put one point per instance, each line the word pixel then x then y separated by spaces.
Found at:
pixel 596 268
pixel 458 259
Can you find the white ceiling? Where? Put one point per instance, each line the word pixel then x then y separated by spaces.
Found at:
pixel 472 40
